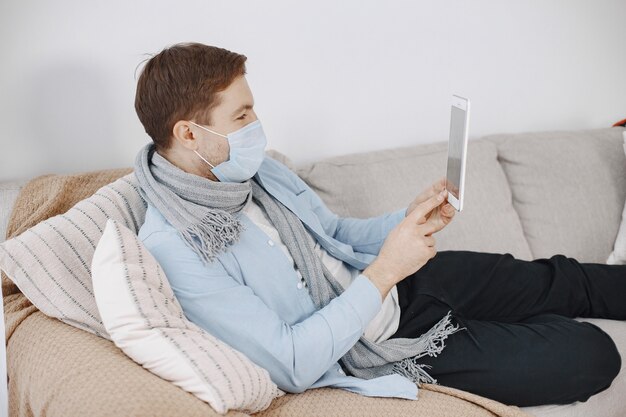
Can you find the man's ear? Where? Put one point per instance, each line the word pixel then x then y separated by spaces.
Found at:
pixel 184 134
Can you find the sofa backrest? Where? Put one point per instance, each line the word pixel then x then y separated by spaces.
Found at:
pixel 372 183
pixel 529 194
pixel 568 188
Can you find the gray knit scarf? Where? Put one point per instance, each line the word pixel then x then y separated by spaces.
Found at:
pixel 203 211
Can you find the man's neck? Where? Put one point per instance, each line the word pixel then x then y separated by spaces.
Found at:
pixel 182 161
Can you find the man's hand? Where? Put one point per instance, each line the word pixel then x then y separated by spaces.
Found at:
pixel 443 213
pixel 407 248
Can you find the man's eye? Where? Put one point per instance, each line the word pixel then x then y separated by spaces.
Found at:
pixel 243 116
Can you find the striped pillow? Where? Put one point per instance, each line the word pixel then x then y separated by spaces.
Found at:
pixel 146 321
pixel 51 262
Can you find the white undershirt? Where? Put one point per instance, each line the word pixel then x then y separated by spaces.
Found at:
pixel 384 324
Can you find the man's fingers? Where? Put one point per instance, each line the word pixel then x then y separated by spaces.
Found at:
pixel 426 206
pixel 431 226
pixel 439 185
pixel 448 210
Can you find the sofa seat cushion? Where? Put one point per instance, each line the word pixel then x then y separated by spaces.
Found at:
pixel 569 189
pixel 372 183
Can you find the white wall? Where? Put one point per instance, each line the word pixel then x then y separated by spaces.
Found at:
pixel 328 77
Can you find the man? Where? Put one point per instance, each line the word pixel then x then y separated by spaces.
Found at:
pixel 256 258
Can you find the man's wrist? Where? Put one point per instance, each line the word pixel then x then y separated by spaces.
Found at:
pixel 381 278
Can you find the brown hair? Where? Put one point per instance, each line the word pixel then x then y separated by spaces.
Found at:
pixel 182 82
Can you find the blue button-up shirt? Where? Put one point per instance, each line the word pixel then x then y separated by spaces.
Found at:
pixel 249 295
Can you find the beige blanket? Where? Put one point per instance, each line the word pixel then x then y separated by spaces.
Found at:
pixel 59 370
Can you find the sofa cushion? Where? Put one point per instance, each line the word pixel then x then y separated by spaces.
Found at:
pixel 569 189
pixel 50 262
pixel 372 183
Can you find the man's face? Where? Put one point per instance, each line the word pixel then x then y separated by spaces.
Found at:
pixel 234 111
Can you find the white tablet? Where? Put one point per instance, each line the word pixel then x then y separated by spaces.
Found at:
pixel 457 151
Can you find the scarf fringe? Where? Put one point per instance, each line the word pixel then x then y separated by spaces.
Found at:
pixel 195 206
pixel 435 337
pixel 215 232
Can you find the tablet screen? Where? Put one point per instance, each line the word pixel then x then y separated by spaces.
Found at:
pixel 455 150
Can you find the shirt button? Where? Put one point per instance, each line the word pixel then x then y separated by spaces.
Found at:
pixel 270 242
pixel 299 285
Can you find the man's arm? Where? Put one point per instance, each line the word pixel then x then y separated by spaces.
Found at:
pixel 294 355
pixel 364 235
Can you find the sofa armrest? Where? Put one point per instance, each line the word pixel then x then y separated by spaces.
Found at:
pixel 9 191
pixel 4 395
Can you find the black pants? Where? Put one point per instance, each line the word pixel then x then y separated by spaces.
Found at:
pixel 521 345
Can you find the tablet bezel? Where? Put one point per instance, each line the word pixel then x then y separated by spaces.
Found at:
pixel 461 103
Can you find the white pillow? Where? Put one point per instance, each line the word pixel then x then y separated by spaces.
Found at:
pixel 618 256
pixel 145 320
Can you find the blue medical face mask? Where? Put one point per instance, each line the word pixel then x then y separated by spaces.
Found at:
pixel 247 150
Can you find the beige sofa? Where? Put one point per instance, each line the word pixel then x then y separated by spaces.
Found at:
pixel 532 195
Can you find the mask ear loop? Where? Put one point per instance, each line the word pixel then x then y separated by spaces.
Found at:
pixel 209 130
pixel 212 166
